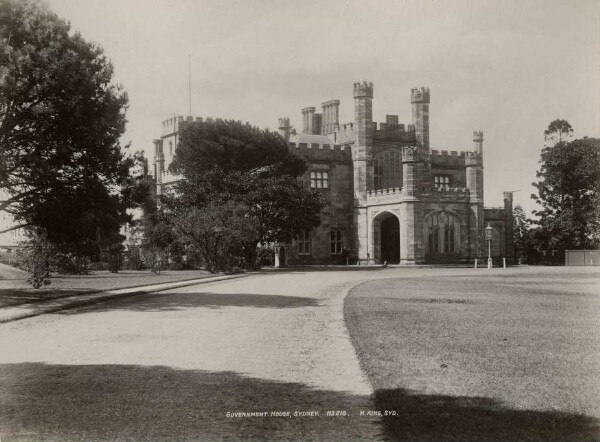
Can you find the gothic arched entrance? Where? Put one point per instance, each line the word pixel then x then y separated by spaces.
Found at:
pixel 386 233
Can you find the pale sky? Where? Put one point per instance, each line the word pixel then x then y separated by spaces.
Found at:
pixel 505 67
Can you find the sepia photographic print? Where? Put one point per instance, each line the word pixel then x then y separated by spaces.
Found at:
pixel 299 220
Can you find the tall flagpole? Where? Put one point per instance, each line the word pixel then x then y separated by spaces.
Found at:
pixel 190 82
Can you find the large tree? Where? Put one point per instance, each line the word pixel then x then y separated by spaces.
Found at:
pixel 60 122
pixel 227 161
pixel 568 190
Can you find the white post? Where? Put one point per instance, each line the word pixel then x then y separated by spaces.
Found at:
pixel 277 263
pixel 475 263
pixel 503 262
pixel 489 254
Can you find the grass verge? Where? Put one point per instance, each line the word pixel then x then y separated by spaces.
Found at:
pixel 490 357
pixel 15 292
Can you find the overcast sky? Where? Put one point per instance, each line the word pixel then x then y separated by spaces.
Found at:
pixel 505 67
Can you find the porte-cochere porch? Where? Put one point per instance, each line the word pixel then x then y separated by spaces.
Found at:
pixel 438 237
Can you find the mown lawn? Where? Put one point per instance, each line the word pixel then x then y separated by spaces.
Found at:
pixel 14 292
pixel 499 355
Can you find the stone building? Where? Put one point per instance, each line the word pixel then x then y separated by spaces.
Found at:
pixel 389 197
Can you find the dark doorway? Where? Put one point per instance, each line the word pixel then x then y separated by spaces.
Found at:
pixel 390 240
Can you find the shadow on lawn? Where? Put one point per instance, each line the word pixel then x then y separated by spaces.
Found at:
pixel 182 301
pixel 448 418
pixel 18 296
pixel 150 403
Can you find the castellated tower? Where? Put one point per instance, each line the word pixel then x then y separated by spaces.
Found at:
pixel 363 117
pixel 362 160
pixel 159 164
pixel 478 143
pixel 508 232
pixel 474 168
pixel 391 197
pixel 420 116
pixel 474 183
pixel 411 250
pixel 284 128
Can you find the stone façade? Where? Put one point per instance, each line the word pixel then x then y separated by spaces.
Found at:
pixel 389 197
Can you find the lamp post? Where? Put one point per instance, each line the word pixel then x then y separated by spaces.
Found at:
pixel 488 237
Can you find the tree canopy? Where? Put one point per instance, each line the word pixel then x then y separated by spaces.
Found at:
pixel 63 170
pixel 60 122
pixel 558 131
pixel 568 190
pixel 226 162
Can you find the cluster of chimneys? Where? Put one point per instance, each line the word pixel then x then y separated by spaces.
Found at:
pixel 323 123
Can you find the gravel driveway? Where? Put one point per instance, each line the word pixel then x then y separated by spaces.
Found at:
pixel 170 366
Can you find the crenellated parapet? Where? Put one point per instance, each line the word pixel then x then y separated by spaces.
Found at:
pixel 322 152
pixel 419 95
pixel 443 194
pixel 284 128
pixel 346 133
pixel 388 191
pixel 284 122
pixel 172 125
pixel 392 131
pixel 444 158
pixel 363 89
pixel 392 195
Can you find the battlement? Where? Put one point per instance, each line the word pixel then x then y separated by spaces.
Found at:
pixel 363 89
pixel 392 131
pixel 308 110
pixel 478 136
pixel 445 194
pixel 453 153
pixel 284 123
pixel 392 195
pixel 173 124
pixel 322 152
pixel 320 146
pixel 444 158
pixel 388 191
pixel 419 95
pixel 345 133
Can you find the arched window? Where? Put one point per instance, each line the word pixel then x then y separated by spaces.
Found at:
pixel 442 234
pixel 387 170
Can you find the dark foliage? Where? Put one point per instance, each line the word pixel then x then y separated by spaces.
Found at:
pixel 569 193
pixel 227 162
pixel 61 163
